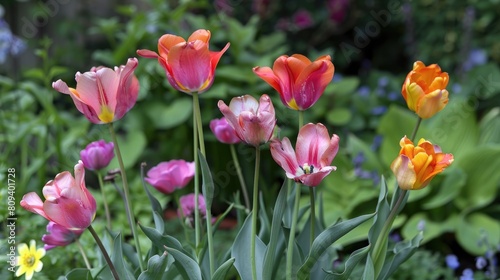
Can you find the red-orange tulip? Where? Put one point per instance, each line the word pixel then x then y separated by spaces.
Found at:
pixel 425 89
pixel 299 81
pixel 417 165
pixel 189 65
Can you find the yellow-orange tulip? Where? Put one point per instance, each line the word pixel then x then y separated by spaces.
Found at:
pixel 417 165
pixel 425 89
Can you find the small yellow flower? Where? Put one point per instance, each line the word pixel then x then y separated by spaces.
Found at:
pixel 29 259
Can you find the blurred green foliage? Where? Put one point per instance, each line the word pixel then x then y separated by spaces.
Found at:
pixel 41 133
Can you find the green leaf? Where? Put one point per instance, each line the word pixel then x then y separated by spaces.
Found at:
pixel 339 116
pixel 208 183
pixel 489 127
pixel 448 189
pixel 326 239
pixel 156 268
pixel 477 227
pixel 401 252
pixel 241 248
pixel 481 166
pixel 432 229
pixel 166 116
pixel 455 129
pixel 271 253
pixel 79 274
pixel 394 124
pixel 118 259
pixel 187 267
pixel 161 241
pixel 344 87
pixel 221 272
pixel 351 263
pixel 369 272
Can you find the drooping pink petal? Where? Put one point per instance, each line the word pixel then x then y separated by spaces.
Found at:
pixel 147 53
pixel 314 179
pixel 83 108
pixel 283 153
pixel 32 202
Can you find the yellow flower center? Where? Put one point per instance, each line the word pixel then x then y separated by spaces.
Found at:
pixel 308 169
pixel 106 116
pixel 28 260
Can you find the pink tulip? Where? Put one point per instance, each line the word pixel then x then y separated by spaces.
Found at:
pixel 253 121
pixel 299 82
pixel 223 131
pixel 310 163
pixel 97 155
pixel 58 235
pixel 171 175
pixel 187 208
pixel 189 65
pixel 67 200
pixel 104 95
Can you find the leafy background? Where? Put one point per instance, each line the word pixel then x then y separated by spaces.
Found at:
pixel 373 45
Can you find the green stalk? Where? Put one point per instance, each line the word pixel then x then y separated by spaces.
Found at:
pixel 291 238
pixel 255 210
pixel 240 176
pixel 126 195
pixel 104 253
pixel 378 252
pixel 85 259
pixel 106 208
pixel 197 223
pixel 312 197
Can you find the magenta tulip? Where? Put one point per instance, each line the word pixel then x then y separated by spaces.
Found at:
pixel 252 120
pixel 223 131
pixel 97 155
pixel 58 235
pixel 314 151
pixel 67 200
pixel 187 208
pixel 168 176
pixel 104 95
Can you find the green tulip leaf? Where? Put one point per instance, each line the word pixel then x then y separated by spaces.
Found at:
pixel 156 268
pixel 221 272
pixel 477 227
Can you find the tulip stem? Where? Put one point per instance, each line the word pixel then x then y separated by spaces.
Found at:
pixel 301 119
pixel 106 208
pixel 85 259
pixel 196 179
pixel 291 238
pixel 414 133
pixel 199 126
pixel 255 210
pixel 380 247
pixel 240 176
pixel 103 251
pixel 312 197
pixel 126 195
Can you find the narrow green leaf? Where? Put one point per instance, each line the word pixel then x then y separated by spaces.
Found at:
pixel 155 204
pixel 401 252
pixel 187 267
pixel 156 268
pixel 208 183
pixel 270 255
pixel 326 239
pixel 160 240
pixel 369 273
pixel 240 251
pixel 221 272
pixel 79 274
pixel 351 263
pixel 118 259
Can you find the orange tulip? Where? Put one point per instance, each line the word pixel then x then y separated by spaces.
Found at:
pixel 425 89
pixel 299 81
pixel 416 166
pixel 189 65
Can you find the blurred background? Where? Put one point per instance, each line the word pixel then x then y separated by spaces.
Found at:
pixel 373 45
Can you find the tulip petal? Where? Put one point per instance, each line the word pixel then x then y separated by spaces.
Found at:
pixel 312 142
pixel 284 74
pixel 312 82
pixel 296 64
pixel 69 210
pixel 32 202
pixel 128 88
pixel 52 190
pixel 166 42
pixel 414 93
pixel 284 155
pixel 200 34
pixel 267 74
pixel 405 174
pixel 314 179
pixel 190 65
pixel 83 108
pixel 432 103
pixel 147 53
